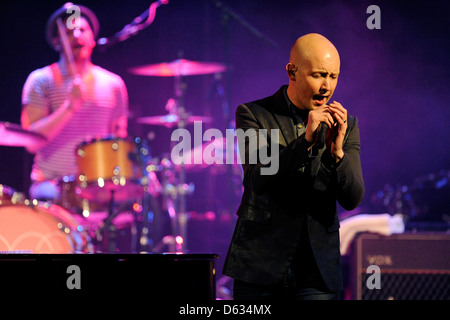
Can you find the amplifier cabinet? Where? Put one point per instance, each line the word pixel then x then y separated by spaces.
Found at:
pixel 407 266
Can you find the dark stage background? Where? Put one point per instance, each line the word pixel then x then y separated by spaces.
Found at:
pixel 394 79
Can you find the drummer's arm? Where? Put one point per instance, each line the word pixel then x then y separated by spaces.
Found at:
pixel 38 120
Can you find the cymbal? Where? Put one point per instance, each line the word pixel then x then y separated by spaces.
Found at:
pixel 14 135
pixel 179 67
pixel 172 120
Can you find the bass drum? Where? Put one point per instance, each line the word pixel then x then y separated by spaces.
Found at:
pixel 41 228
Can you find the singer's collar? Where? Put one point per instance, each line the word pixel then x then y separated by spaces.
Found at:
pixel 300 115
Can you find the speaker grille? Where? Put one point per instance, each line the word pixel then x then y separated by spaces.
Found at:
pixel 411 266
pixel 408 286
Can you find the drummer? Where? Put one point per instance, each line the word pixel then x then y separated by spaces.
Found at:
pixel 69 102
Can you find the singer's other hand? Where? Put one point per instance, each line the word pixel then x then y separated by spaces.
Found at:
pixel 335 137
pixel 315 117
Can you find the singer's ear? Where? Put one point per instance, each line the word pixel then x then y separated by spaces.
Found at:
pixel 291 69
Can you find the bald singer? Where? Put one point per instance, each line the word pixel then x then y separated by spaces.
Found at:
pixel 286 241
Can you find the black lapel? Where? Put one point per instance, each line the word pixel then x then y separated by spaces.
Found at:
pixel 283 116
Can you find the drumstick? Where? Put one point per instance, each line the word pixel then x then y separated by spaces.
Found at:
pixel 66 47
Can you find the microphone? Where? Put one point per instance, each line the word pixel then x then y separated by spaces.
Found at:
pixel 131 29
pixel 127 31
pixel 320 142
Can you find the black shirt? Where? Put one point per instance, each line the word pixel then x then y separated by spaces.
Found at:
pixel 304 267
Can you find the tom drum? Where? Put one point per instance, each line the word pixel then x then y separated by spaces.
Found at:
pixel 108 168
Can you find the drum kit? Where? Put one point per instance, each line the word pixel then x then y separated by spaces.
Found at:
pixel 113 174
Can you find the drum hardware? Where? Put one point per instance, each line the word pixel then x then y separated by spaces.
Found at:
pixel 69 197
pixel 109 227
pixel 106 234
pixel 144 158
pixel 97 226
pixel 175 189
pixel 112 172
pixel 173 192
pixel 170 192
pixel 78 195
pixel 176 199
pixel 176 117
pixel 10 196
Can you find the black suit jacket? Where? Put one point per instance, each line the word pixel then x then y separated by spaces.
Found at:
pixel 275 208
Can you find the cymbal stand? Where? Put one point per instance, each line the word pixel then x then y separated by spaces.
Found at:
pixel 173 191
pixel 175 194
pixel 109 227
pixel 179 217
pixel 143 159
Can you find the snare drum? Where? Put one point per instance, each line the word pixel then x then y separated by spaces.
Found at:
pixel 109 169
pixel 42 228
pixel 69 197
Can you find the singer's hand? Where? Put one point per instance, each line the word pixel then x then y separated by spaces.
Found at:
pixel 315 117
pixel 335 137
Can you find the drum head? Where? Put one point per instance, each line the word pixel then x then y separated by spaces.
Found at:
pixel 109 169
pixel 39 229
